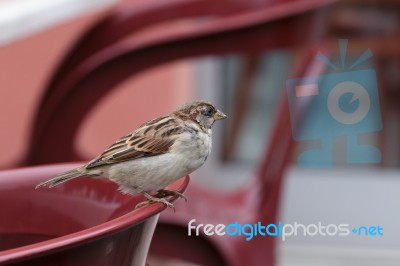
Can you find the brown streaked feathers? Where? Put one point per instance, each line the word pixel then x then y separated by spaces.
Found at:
pixel 147 140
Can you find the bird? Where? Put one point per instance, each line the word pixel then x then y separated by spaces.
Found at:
pixel 154 155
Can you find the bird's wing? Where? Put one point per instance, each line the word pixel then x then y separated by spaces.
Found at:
pixel 152 138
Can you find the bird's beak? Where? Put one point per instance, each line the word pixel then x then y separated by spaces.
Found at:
pixel 219 115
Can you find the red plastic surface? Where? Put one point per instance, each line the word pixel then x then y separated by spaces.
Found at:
pixel 81 222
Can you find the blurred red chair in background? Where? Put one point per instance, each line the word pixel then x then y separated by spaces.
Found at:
pixel 82 222
pixel 256 28
pixel 261 23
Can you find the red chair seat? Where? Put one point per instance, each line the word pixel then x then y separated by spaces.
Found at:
pixel 81 222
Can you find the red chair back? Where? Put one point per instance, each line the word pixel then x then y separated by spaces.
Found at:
pixel 66 103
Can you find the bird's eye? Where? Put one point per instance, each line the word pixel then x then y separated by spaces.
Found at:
pixel 208 112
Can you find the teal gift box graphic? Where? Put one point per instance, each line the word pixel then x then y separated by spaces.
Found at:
pixel 342 103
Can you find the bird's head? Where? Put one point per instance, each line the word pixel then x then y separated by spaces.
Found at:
pixel 200 112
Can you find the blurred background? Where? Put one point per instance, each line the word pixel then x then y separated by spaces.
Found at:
pixel 37 35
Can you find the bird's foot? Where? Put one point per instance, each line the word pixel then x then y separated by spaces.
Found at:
pixel 166 193
pixel 153 199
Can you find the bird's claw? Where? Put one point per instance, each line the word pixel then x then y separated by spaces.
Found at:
pixel 155 200
pixel 160 197
pixel 165 193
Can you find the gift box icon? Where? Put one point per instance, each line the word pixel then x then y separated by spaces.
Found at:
pixel 343 103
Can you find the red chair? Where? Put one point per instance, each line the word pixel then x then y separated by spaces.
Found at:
pixel 82 222
pixel 250 31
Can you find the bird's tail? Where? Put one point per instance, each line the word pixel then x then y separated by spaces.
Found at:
pixel 64 177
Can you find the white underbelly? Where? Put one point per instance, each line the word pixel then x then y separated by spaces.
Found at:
pixel 152 173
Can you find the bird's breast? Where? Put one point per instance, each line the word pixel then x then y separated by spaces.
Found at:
pixel 194 147
pixel 188 153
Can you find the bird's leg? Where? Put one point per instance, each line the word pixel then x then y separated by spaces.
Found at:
pixel 152 199
pixel 162 193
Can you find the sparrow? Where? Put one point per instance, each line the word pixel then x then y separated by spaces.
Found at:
pixel 155 155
